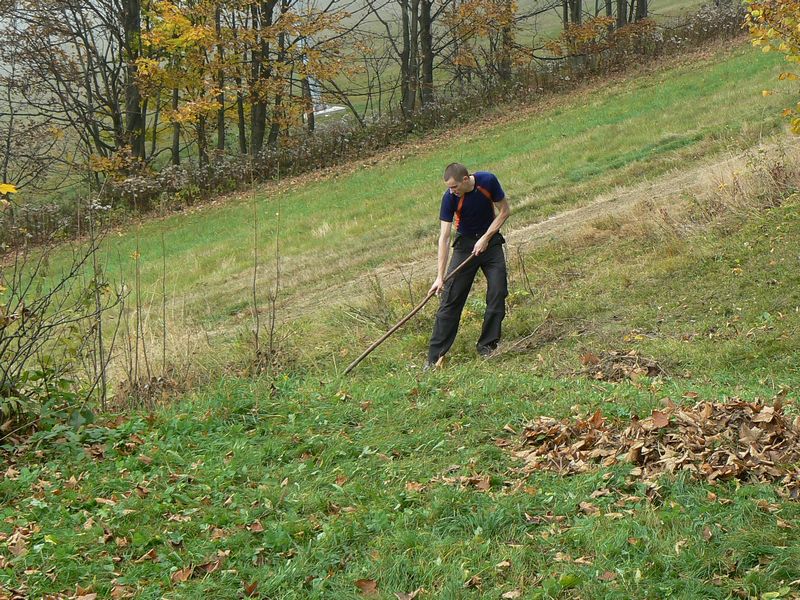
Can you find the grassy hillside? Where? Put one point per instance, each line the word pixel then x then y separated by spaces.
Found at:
pixel 336 229
pixel 306 485
pixel 310 485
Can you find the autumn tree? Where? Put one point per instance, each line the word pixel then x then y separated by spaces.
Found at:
pixel 74 58
pixel 180 44
pixel 775 27
pixel 31 145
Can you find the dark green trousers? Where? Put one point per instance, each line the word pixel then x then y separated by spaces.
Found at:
pixel 454 295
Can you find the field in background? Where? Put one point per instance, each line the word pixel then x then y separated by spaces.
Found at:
pixel 533 32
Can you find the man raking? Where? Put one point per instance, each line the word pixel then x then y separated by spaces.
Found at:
pixel 469 203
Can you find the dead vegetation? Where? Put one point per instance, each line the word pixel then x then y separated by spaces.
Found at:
pixel 712 441
pixel 616 366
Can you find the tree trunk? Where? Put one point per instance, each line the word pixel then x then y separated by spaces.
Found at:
pixel 262 19
pixel 506 42
pixel 134 116
pixel 220 82
pixel 641 9
pixel 241 118
pixel 413 56
pixel 242 126
pixel 275 124
pixel 622 13
pixel 202 142
pixel 406 65
pixel 308 100
pixel 156 119
pixel 176 130
pixel 426 44
pixel 577 11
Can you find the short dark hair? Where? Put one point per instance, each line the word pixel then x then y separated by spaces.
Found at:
pixel 455 171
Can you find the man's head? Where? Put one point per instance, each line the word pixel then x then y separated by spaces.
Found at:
pixel 456 177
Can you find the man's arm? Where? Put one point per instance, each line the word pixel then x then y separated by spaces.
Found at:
pixel 501 217
pixel 444 251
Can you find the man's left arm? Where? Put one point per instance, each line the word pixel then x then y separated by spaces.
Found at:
pixel 497 223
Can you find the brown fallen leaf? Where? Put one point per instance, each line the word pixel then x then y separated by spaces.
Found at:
pixel 256 527
pixel 182 575
pixel 504 564
pixel 512 594
pixel 590 359
pixel 607 576
pixel 414 486
pixel 368 587
pixel 765 415
pixel 210 567
pixel 149 555
pixel 121 592
pixel 597 419
pixel 589 508
pixel 250 588
pixel 82 593
pixel 408 596
pixel 473 582
pixel 483 484
pixel 18 544
pixel 660 419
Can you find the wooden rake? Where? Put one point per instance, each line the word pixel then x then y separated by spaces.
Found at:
pixel 408 317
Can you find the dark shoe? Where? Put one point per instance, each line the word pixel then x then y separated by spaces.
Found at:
pixel 486 351
pixel 430 366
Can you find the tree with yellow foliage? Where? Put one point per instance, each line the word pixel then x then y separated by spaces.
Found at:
pixel 775 27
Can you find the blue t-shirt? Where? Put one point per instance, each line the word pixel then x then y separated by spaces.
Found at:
pixel 477 213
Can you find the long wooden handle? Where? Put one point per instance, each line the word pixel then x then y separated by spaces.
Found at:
pixel 407 318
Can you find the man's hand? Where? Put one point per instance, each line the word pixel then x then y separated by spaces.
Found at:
pixel 437 286
pixel 480 245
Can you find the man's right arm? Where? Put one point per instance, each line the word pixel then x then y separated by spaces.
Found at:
pixel 443 253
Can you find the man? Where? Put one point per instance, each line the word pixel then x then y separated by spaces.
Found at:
pixel 470 202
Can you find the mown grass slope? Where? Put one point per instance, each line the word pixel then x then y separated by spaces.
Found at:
pixel 337 228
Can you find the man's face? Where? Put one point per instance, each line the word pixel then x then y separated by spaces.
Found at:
pixel 459 188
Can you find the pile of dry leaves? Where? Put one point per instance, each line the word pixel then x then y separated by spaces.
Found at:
pixel 619 366
pixel 713 441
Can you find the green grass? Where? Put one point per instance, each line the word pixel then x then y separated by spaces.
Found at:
pixel 323 462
